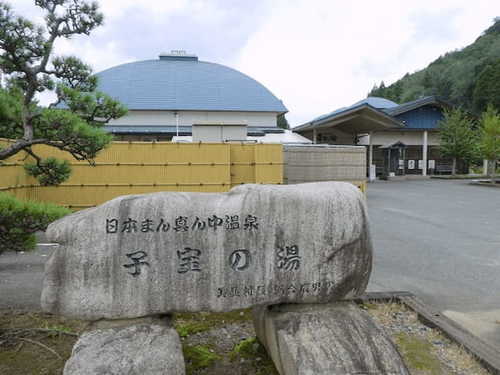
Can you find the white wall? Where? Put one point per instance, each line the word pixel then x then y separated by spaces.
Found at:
pixel 219 133
pixel 342 137
pixel 414 138
pixel 188 118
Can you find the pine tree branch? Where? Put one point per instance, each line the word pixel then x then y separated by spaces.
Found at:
pixel 20 145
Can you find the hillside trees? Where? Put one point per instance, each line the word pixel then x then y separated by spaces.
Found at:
pixel 73 122
pixel 465 77
pixel 487 89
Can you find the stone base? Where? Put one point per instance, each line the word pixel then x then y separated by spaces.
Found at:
pixel 140 347
pixel 329 339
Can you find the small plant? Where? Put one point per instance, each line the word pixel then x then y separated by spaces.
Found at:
pixel 247 349
pixel 199 357
pixel 252 350
pixel 185 329
pixel 19 221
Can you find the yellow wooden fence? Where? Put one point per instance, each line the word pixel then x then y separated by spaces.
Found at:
pixel 145 167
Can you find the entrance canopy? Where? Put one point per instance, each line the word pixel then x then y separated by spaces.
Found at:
pixel 356 119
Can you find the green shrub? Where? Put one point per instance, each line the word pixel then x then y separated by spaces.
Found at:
pixel 19 221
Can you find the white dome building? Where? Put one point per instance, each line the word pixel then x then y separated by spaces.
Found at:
pixel 179 95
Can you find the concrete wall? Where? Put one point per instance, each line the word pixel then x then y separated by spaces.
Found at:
pixel 188 118
pixel 219 133
pixel 413 138
pixel 325 163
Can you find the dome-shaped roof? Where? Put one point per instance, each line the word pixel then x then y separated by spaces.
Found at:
pixel 184 83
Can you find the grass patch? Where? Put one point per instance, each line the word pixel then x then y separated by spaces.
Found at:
pixel 418 353
pixel 9 320
pixel 184 329
pixel 252 350
pixel 205 357
pixel 368 306
pixel 189 323
pixel 199 357
pixel 247 349
pixel 25 337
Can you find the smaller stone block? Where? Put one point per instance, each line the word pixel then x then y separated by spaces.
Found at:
pixel 330 339
pixel 137 349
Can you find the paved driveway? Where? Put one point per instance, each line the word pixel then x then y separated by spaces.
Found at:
pixel 21 277
pixel 441 240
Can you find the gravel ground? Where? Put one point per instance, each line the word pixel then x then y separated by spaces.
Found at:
pixel 427 344
pixel 223 343
pixel 426 351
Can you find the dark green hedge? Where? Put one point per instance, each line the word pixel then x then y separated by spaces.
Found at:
pixel 19 221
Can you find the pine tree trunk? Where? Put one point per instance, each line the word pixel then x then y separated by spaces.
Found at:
pixel 454 167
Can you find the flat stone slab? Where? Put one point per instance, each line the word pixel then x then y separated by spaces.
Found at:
pixel 138 349
pixel 151 254
pixel 329 339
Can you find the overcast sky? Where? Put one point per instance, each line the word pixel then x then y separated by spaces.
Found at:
pixel 315 55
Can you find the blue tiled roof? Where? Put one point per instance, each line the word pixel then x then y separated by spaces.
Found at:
pixel 423 113
pixel 186 84
pixel 376 102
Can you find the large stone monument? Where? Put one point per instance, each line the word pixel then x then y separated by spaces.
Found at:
pixel 142 255
pixel 147 255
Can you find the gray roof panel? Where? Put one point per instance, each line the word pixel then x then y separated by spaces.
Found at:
pixel 183 130
pixel 186 84
pixel 408 106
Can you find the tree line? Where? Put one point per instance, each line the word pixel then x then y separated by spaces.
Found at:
pixel 467 139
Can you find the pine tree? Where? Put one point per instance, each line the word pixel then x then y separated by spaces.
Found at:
pixel 72 123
